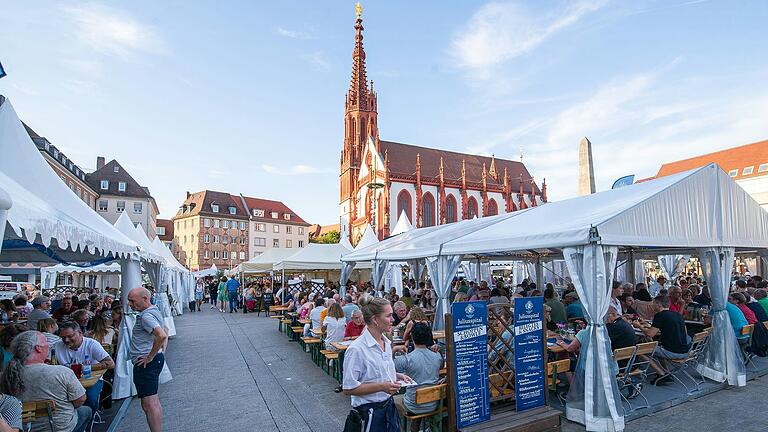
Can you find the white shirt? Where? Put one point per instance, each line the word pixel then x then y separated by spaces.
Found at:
pixel 616 303
pixel 93 348
pixel 335 330
pixel 315 316
pixel 365 362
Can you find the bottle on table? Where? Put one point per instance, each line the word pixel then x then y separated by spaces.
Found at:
pixel 53 361
pixel 87 367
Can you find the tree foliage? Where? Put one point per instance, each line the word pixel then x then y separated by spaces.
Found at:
pixel 327 238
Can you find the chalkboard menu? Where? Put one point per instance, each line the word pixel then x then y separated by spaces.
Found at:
pixel 530 376
pixel 470 344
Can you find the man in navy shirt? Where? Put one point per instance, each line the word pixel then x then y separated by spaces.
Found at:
pixel 232 286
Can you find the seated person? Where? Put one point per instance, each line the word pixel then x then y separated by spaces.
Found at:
pixel 416 315
pixel 423 366
pixel 101 332
pixel 314 316
pixel 627 303
pixel 757 309
pixel 348 307
pixel 703 298
pixel 676 303
pixel 48 327
pixel 73 348
pixel 65 310
pixel 740 300
pixel 7 334
pixel 621 333
pixel 558 313
pixel 400 312
pixel 355 326
pixel 574 347
pixel 673 337
pixel 334 326
pixel 738 321
pixel 573 308
pixel 642 293
pixel 82 317
pixel 761 295
pixel 42 381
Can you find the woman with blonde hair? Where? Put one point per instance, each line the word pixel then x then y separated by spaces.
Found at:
pixel 100 331
pixel 369 371
pixel 334 325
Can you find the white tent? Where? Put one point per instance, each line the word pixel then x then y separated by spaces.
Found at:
pixel 109 273
pixel 314 256
pixel 210 271
pixel 369 238
pixel 264 262
pixel 402 225
pixel 701 211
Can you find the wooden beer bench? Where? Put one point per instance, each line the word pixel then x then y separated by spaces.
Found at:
pixel 506 419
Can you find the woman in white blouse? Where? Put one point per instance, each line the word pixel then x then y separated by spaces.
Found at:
pixel 369 371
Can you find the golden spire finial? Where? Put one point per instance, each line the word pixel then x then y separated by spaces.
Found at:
pixel 359 10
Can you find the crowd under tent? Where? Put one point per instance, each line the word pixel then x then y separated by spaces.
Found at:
pixel 700 212
pixel 100 276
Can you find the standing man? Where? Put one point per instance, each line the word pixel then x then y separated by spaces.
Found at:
pixel 232 287
pixel 146 353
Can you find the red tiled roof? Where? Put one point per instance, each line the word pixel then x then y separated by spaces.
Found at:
pixel 199 203
pixel 168 225
pixel 270 206
pixel 735 158
pixel 402 165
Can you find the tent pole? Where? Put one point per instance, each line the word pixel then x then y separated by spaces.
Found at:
pixel 539 273
pixel 478 277
pixel 631 267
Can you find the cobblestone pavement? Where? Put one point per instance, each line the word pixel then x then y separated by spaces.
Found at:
pixel 236 372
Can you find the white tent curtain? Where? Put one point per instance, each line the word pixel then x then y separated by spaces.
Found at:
pixel 672 265
pixel 640 274
pixel 722 358
pixel 751 264
pixel 378 273
pixel 549 272
pixel 442 270
pixel 763 253
pixel 518 272
pixel 394 278
pixel 346 271
pixel 594 399
pixel 485 272
pixel 123 384
pixel 531 269
pixel 416 267
pixel 5 204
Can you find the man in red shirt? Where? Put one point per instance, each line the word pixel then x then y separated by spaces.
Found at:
pixel 355 326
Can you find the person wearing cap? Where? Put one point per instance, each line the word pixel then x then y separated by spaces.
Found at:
pixel 574 309
pixel 41 304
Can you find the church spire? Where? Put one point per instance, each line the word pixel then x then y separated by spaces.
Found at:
pixel 359 95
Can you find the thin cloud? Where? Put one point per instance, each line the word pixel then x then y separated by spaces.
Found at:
pixel 112 32
pixel 293 170
pixel 319 61
pixel 293 34
pixel 499 32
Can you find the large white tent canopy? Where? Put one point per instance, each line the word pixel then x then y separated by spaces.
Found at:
pixel 264 262
pixel 315 256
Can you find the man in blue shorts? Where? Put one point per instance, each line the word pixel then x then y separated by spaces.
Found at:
pixel 146 353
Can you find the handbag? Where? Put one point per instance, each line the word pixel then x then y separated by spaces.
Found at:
pixel 354 422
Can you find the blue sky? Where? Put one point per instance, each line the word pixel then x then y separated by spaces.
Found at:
pixel 247 97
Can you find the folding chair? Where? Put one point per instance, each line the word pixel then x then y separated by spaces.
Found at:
pixel 680 365
pixel 745 343
pixel 554 368
pixel 641 362
pixel 623 378
pixel 31 411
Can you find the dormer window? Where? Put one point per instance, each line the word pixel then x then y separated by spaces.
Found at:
pixel 232 210
pixel 215 208
pixel 121 186
pixel 274 215
pixel 258 213
pixel 104 184
pixel 55 154
pixel 116 169
pixel 287 216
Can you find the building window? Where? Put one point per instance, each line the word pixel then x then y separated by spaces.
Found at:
pixel 762 168
pixel 427 210
pixel 216 223
pixel 215 208
pixel 207 223
pixel 450 209
pixel 747 170
pixel 80 192
pixel 207 238
pixel 185 223
pixel 225 239
pixel 471 208
pixel 288 243
pixel 404 204
pixel 287 216
pixel 301 230
pixel 232 210
pixel 103 205
pixel 259 241
pixel 276 243
pixel 120 206
pixel 242 225
pixel 121 186
pixel 160 230
pixel 258 213
pixel 225 224
pixel 493 208
pixel 301 243
pixel 733 172
pixel 289 229
pixel 261 227
pixel 242 255
pixel 274 215
pixel 138 207
pixel 225 254
pixel 215 254
pixel 276 229
pixel 215 239
pixel 116 169
pixel 206 255
pixel 104 184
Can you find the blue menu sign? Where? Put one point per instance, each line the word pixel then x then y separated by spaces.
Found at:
pixel 530 376
pixel 470 344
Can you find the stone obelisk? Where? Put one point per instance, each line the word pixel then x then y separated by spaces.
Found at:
pixel 586 172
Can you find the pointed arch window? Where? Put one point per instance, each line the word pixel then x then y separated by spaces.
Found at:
pixel 404 204
pixel 450 209
pixel 493 208
pixel 472 208
pixel 428 210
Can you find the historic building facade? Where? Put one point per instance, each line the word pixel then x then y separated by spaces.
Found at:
pixel 380 179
